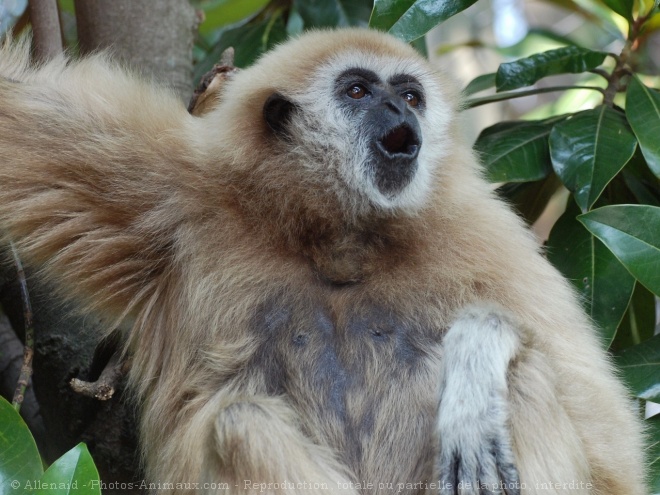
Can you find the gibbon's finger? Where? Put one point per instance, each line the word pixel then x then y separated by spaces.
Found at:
pixel 449 466
pixel 489 481
pixel 467 476
pixel 506 467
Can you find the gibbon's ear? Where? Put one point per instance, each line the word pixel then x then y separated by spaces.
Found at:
pixel 277 113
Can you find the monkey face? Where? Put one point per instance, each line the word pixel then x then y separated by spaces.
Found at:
pixel 387 115
pixel 364 119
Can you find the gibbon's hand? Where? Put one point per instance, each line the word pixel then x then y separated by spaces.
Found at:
pixel 476 455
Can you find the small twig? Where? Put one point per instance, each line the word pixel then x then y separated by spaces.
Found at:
pixel 475 102
pixel 601 72
pixel 28 351
pixel 207 93
pixel 45 18
pixel 106 386
pixel 622 67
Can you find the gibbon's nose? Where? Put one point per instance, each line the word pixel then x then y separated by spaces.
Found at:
pixel 397 134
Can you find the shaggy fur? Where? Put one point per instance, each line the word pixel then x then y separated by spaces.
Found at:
pixel 286 318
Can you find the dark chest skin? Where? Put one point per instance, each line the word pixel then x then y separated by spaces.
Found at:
pixel 363 377
pixel 355 353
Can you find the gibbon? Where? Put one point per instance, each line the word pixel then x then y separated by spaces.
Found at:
pixel 322 293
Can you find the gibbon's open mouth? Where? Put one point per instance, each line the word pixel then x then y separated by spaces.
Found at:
pixel 401 140
pixel 395 158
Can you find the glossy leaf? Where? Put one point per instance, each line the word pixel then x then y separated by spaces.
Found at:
pixel 222 13
pixel 638 324
pixel 417 19
pixel 420 45
pixel 250 41
pixel 632 233
pixel 74 472
pixel 386 12
pixel 530 199
pixel 515 151
pixel 640 366
pixel 334 13
pixel 526 71
pixel 19 457
pixel 480 83
pixel 643 112
pixel 640 181
pixel 588 149
pixel 604 284
pixel 537 40
pixel 622 7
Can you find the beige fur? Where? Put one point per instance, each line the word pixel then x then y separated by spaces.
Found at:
pixel 286 318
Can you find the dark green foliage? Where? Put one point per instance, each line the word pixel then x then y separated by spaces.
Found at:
pixel 607 243
pixel 410 20
pixel 526 71
pixel 603 283
pixel 21 471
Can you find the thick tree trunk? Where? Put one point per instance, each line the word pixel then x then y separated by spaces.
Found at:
pixel 154 37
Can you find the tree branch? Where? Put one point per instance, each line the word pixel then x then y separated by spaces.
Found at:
pixel 209 90
pixel 28 350
pixel 156 38
pixel 105 387
pixel 45 17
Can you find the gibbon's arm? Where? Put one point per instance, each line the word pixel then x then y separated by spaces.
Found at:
pixel 473 420
pixel 89 158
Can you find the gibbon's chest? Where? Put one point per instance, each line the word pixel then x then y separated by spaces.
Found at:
pixel 362 375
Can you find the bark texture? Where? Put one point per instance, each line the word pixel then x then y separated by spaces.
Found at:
pixel 45 18
pixel 155 38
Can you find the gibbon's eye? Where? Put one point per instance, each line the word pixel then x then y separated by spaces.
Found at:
pixel 357 91
pixel 411 98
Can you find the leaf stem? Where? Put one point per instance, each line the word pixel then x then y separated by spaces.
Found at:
pixel 475 102
pixel 622 67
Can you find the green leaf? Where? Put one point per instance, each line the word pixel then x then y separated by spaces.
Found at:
pixel 638 324
pixel 632 233
pixel 640 366
pixel 19 457
pixel 640 181
pixel 334 13
pixel 530 199
pixel 588 149
pixel 643 112
pixel 537 40
pixel 420 45
pixel 225 12
pixel 250 40
pixel 604 284
pixel 411 20
pixel 74 472
pixel 516 151
pixel 386 12
pixel 622 7
pixel 653 435
pixel 480 83
pixel 526 71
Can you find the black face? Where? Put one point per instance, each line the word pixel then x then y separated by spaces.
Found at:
pixel 387 112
